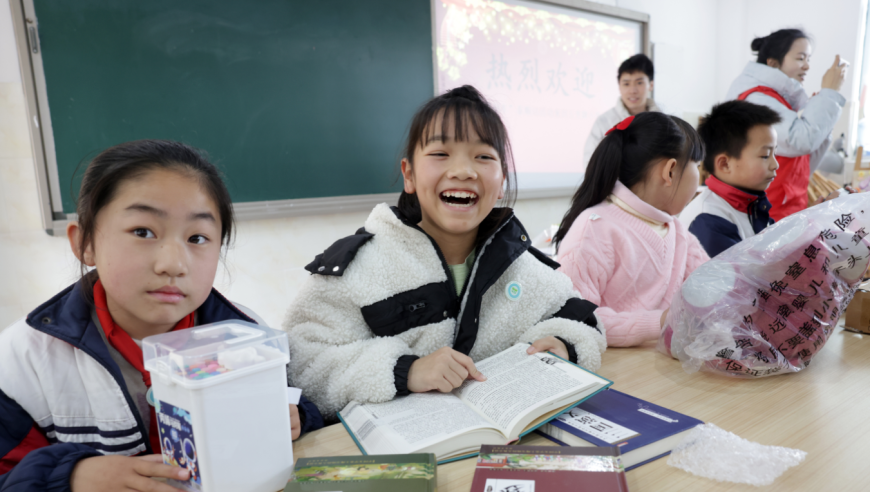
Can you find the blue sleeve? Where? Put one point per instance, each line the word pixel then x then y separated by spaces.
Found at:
pixel 310 415
pixel 46 469
pixel 714 233
pixel 42 469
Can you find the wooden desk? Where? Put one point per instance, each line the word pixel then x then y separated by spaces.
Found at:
pixel 822 410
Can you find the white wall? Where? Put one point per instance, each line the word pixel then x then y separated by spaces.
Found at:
pixel 687 29
pixel 833 24
pixel 8 57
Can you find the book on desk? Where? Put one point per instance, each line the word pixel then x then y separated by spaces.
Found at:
pixel 643 431
pixel 548 469
pixel 387 473
pixel 521 393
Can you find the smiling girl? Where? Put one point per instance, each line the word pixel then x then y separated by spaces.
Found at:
pixel 152 219
pixel 446 278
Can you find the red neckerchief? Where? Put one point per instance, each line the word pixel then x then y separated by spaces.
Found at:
pixel 738 199
pixel 132 353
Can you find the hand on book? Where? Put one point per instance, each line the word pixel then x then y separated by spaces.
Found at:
pixel 108 473
pixel 551 344
pixel 442 370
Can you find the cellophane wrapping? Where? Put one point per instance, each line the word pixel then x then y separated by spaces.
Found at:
pixel 768 304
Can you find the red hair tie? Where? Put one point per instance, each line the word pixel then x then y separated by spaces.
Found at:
pixel 622 125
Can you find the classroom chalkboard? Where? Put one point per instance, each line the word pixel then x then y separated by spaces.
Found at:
pixel 290 98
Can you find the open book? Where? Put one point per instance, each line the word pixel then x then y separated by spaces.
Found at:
pixel 521 393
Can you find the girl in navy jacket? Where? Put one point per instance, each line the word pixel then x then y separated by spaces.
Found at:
pixel 74 413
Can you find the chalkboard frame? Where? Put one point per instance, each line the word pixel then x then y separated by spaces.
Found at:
pixel 54 220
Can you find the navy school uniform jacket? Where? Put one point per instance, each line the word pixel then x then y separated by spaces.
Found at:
pixel 722 216
pixel 63 398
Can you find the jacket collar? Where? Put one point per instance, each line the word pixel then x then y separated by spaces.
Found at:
pixel 67 316
pixel 790 89
pixel 623 113
pixel 625 194
pixel 739 199
pixel 494 221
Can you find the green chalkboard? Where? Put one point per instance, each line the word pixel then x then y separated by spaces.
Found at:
pixel 291 98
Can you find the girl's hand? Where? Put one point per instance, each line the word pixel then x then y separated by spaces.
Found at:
pixel 551 344
pixel 664 317
pixel 442 370
pixel 111 473
pixel 295 423
pixel 836 74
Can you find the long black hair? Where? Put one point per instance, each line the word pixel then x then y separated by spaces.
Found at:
pixel 468 110
pixel 130 160
pixel 776 44
pixel 628 155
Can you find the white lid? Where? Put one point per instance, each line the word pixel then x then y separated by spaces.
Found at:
pixel 213 352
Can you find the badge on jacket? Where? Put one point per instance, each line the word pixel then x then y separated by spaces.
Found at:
pixel 513 291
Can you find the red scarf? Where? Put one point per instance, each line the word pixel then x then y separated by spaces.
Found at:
pixel 124 344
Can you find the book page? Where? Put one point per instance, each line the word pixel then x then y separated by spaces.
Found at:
pixel 410 423
pixel 517 384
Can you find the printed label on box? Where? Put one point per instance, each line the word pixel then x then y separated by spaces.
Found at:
pixel 508 485
pixel 177 442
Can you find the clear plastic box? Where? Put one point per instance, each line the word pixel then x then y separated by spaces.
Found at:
pixel 219 391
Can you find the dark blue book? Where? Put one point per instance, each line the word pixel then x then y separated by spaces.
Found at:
pixel 643 431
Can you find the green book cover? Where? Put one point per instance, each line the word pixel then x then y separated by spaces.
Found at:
pixel 375 473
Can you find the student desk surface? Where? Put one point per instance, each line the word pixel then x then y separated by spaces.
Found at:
pixel 822 410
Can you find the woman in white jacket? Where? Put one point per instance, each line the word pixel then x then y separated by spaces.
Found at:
pixel 803 136
pixel 411 301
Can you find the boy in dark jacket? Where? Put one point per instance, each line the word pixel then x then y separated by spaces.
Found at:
pixel 740 143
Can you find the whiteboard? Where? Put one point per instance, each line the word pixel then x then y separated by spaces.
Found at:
pixel 549 71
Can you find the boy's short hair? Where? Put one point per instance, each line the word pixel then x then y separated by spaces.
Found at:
pixel 726 128
pixel 637 63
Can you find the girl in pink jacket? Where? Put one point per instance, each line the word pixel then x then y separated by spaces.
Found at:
pixel 620 242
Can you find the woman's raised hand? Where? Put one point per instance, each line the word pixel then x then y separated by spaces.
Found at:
pixel 836 74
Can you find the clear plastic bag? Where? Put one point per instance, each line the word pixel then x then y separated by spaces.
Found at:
pixel 768 304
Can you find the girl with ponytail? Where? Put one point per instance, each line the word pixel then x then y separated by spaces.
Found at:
pixel 620 242
pixel 430 287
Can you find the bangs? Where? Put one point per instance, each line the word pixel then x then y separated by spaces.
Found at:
pixel 467 120
pixel 464 114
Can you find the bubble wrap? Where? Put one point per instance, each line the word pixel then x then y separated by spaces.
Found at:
pixel 717 454
pixel 768 304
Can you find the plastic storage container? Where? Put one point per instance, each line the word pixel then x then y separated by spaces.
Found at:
pixel 220 396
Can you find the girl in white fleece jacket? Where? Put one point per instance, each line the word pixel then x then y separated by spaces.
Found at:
pixel 411 301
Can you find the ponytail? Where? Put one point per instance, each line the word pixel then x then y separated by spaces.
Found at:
pixel 626 154
pixel 776 44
